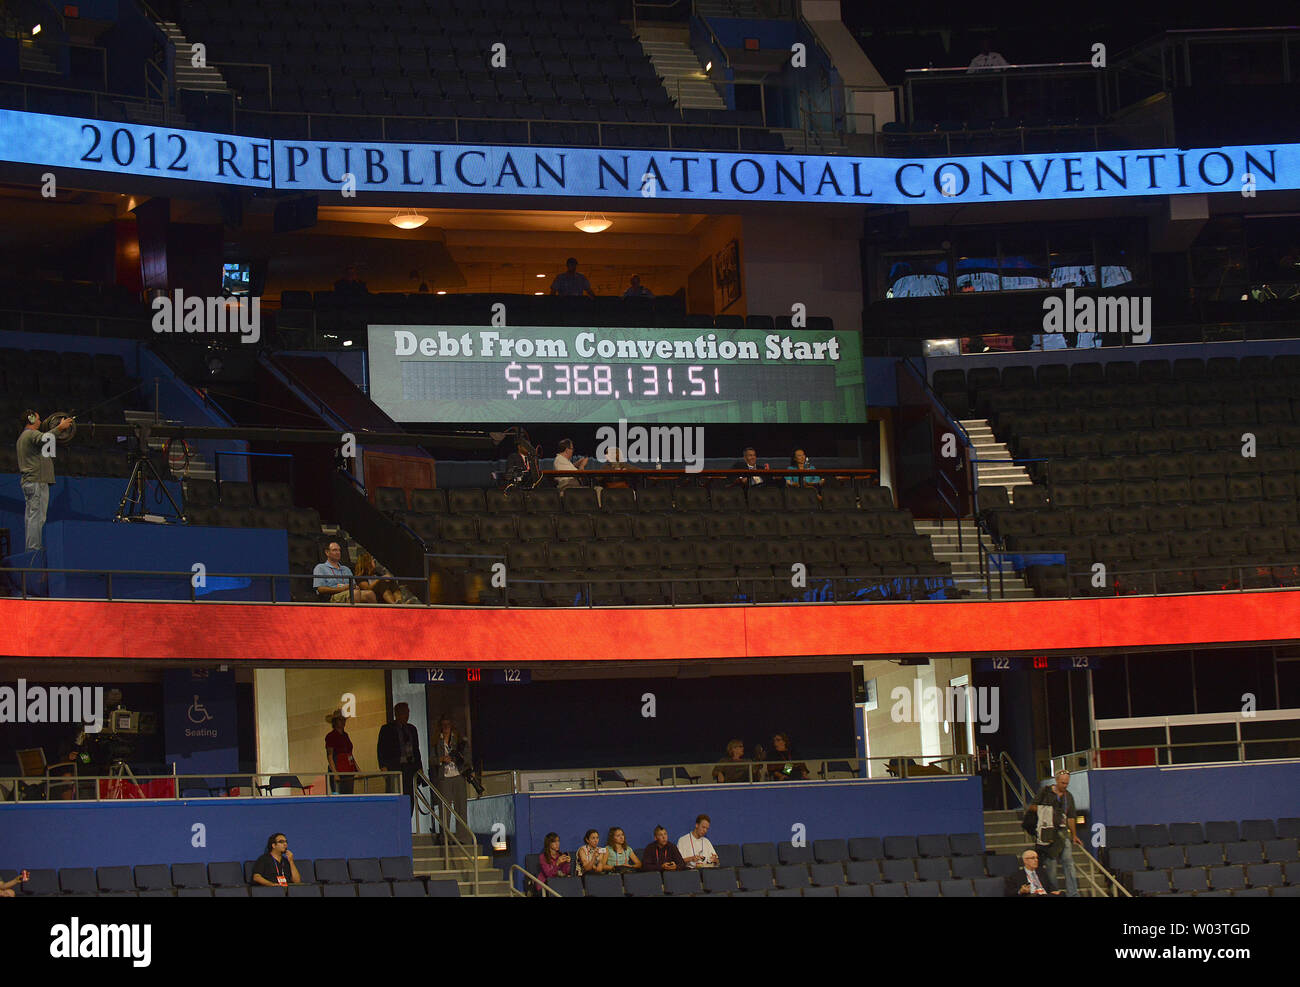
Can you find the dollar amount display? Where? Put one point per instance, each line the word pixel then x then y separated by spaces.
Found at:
pixel 598 380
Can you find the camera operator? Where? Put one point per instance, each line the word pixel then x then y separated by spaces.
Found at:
pixel 37 472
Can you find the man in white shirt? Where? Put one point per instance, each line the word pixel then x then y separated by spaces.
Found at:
pixel 564 461
pixel 695 847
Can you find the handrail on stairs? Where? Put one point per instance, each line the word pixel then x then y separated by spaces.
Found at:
pixel 448 837
pixel 1026 793
pixel 538 883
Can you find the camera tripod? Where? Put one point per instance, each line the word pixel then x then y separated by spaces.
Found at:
pixel 117 771
pixel 132 505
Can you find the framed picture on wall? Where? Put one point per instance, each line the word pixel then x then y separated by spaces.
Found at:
pixel 726 276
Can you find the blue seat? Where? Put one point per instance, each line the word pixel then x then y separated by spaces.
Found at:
pixel 364 870
pixel 937 869
pixel 989 887
pixel 729 855
pixel 933 845
pixel 264 891
pixel 375 889
pixel 152 877
pixel 450 889
pixel 565 887
pixel 1166 857
pixel 1293 891
pixel 604 886
pixel 1251 893
pixel 957 889
pixel 788 853
pixel 643 884
pixel 239 891
pixel 114 879
pixel 865 848
pixel 306 870
pixel 759 854
pixel 332 870
pixel 853 891
pixel 681 882
pixel 778 893
pixel 968 868
pixel 746 894
pixel 830 851
pixel 1227 878
pixel 1264 875
pixel 393 869
pixel 888 891
pixel 901 847
pixel 1129 859
pixel 203 892
pixel 1289 828
pixel 922 889
pixel 410 889
pixel 338 890
pixel 898 871
pixel 226 874
pixel 718 880
pixel 1258 829
pixel 819 892
pixel 1118 837
pixel 1150 882
pixel 77 880
pixel 828 875
pixel 1152 834
pixel 1186 833
pixel 1282 850
pixel 190 875
pixel 1002 864
pixel 966 844
pixel 666 774
pixel 1222 832
pixel 157 893
pixel 1205 855
pixel 790 876
pixel 863 871
pixel 1244 852
pixel 1188 879
pixel 304 890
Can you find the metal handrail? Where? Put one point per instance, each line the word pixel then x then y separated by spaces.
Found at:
pixel 1014 775
pixel 448 837
pixel 270 98
pixel 538 883
pixel 257 782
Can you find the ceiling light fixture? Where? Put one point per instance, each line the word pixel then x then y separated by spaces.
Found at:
pixel 593 224
pixel 408 219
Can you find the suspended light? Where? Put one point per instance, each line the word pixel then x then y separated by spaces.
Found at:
pixel 593 224
pixel 409 219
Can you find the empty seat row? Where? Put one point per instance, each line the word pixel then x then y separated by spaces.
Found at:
pixel 656 498
pixel 1164 857
pixel 1184 833
pixel 1116 372
pixel 1226 877
pixel 761 881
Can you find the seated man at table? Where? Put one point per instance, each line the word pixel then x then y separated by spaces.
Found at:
pixel 1028 881
pixel 333 580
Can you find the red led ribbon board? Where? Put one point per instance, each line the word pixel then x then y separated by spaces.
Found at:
pixel 287 633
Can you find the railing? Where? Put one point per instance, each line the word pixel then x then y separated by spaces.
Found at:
pixel 447 813
pixel 122 783
pixel 1224 738
pixel 905 767
pixel 536 882
pixel 1012 779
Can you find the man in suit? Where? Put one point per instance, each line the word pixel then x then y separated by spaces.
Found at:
pixel 1029 881
pixel 399 749
pixel 749 461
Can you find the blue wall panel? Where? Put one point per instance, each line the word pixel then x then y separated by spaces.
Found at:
pixel 106 834
pixel 1129 796
pixel 758 813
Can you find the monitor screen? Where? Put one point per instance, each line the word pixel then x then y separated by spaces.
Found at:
pixel 235 278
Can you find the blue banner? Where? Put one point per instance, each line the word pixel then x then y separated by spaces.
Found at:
pixel 199 721
pixel 603 173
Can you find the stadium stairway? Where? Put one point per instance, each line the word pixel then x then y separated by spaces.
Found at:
pixel 206 79
pixel 965 561
pixel 427 859
pixel 679 68
pixel 1002 834
pixel 986 446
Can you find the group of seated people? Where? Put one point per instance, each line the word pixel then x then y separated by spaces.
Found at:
pixel 565 461
pixel 781 765
pixel 616 857
pixel 334 582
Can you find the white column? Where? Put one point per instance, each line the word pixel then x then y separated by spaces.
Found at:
pixel 270 701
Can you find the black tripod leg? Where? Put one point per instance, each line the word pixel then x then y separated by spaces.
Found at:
pixel 122 512
pixel 148 464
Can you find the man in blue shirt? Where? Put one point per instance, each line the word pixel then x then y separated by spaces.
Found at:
pixel 571 284
pixel 333 580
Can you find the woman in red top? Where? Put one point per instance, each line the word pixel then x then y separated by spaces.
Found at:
pixel 338 752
